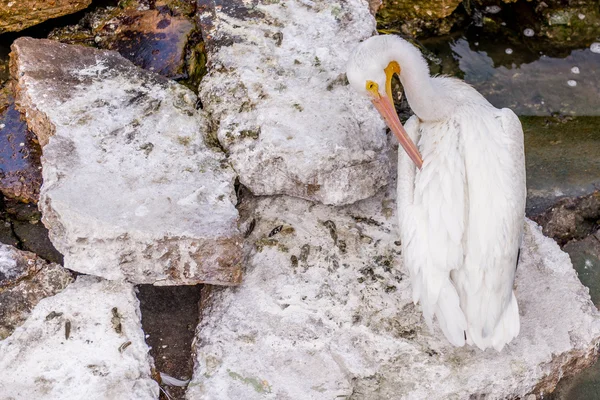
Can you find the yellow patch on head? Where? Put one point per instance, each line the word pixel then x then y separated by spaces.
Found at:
pixel 392 68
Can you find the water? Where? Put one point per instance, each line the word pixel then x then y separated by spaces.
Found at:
pixel 556 93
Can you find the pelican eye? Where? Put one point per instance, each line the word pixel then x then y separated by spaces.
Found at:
pixel 372 87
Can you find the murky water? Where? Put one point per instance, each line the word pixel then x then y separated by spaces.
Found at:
pixel 556 93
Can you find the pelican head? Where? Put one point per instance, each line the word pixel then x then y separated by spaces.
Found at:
pixel 370 70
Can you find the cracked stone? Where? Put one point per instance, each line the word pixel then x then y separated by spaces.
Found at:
pixel 85 342
pixel 131 189
pixel 340 322
pixel 278 97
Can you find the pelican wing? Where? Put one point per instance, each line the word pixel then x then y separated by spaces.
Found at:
pixel 495 172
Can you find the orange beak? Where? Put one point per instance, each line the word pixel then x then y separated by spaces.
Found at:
pixel 385 106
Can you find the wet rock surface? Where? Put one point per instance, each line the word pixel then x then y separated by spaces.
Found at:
pixel 85 342
pixel 134 194
pixel 332 316
pixel 20 166
pixel 278 99
pixel 25 279
pixel 159 36
pixel 585 255
pixel 16 15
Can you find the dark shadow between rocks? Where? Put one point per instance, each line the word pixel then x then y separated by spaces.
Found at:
pixel 169 318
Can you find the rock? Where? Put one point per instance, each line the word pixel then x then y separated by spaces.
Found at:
pixel 163 39
pixel 85 342
pixel 16 15
pixel 416 17
pixel 153 40
pixel 332 317
pixel 277 95
pixel 20 167
pixel 571 218
pixel 25 279
pixel 131 190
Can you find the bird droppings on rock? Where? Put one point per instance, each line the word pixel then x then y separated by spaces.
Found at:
pixel 68 349
pixel 332 323
pixel 114 210
pixel 280 109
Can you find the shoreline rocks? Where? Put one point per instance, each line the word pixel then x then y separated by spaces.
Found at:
pixel 131 189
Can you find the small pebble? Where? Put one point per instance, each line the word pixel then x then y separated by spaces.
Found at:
pixel 503 23
pixel 493 9
pixel 575 70
pixel 21 144
pixel 508 51
pixel 581 16
pixel 529 32
pixel 595 47
pixel 476 43
pixel 2 126
pixel 572 83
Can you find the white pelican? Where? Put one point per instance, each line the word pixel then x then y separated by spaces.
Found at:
pixel 461 204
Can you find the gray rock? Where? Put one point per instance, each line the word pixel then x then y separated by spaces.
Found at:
pixel 25 279
pixel 85 342
pixel 131 190
pixel 277 94
pixel 325 312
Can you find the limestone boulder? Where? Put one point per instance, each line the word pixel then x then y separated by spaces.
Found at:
pixel 278 97
pixel 325 312
pixel 131 189
pixel 16 15
pixel 85 342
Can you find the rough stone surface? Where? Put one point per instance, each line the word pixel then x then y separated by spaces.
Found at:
pixel 25 279
pixel 152 40
pixel 85 342
pixel 131 190
pixel 415 17
pixel 16 15
pixel 20 167
pixel 332 317
pixel 573 218
pixel 277 94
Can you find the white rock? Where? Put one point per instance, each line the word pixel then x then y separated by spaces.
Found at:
pixel 595 47
pixel 325 312
pixel 131 191
pixel 572 82
pixel 83 343
pixel 276 90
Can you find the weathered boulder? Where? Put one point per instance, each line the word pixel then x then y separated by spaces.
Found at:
pixel 25 279
pixel 131 190
pixel 277 94
pixel 20 167
pixel 85 342
pixel 16 15
pixel 332 317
